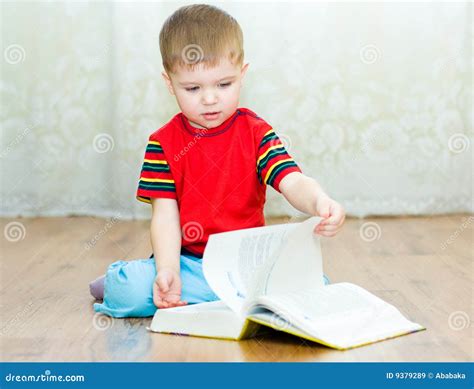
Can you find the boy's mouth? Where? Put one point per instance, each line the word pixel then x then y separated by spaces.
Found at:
pixel 211 115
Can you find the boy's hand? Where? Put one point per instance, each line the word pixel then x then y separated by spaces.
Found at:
pixel 333 216
pixel 167 289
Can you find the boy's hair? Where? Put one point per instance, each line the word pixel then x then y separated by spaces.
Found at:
pixel 200 33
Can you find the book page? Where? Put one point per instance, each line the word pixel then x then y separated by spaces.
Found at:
pixel 231 259
pixel 297 265
pixel 334 300
pixel 341 314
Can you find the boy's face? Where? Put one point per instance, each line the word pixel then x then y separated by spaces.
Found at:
pixel 207 97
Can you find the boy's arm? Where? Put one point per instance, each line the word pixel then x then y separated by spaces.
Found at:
pixel 306 195
pixel 165 234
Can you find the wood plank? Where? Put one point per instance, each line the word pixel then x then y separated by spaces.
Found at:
pixel 422 265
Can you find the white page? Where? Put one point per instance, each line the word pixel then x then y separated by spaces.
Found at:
pixel 240 265
pixel 342 314
pixel 232 258
pixel 296 266
pixel 325 303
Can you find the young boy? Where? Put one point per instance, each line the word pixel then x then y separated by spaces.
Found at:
pixel 206 170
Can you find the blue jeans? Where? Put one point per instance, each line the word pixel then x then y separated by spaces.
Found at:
pixel 128 287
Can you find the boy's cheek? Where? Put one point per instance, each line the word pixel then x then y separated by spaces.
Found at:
pixel 187 103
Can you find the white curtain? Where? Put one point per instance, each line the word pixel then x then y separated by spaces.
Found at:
pixel 374 100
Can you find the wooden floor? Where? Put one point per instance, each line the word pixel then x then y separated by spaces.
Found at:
pixel 423 266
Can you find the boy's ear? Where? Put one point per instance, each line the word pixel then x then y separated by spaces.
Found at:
pixel 168 82
pixel 244 70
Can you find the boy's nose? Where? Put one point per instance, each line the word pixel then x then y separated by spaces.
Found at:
pixel 209 98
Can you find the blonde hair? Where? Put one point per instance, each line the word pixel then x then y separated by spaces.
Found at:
pixel 200 33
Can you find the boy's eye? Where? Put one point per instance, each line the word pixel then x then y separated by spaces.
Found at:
pixel 192 89
pixel 225 84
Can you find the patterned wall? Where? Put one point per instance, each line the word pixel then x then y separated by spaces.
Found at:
pixel 373 100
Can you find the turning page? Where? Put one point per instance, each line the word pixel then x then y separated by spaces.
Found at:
pixel 296 266
pixel 240 265
pixel 232 258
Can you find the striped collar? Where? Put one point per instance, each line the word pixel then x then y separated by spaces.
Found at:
pixel 204 132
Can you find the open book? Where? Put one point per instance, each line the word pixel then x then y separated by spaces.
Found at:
pixel 273 276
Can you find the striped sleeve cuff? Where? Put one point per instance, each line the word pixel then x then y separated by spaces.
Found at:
pixel 156 179
pixel 273 161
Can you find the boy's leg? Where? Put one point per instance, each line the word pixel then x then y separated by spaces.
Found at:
pixel 194 287
pixel 96 287
pixel 129 287
pixel 326 279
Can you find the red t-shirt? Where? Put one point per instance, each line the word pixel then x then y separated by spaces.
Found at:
pixel 218 176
